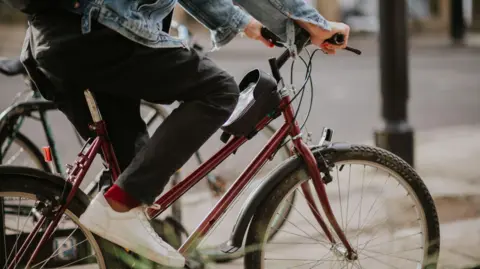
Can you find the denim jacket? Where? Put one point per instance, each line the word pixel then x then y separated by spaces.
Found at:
pixel 141 20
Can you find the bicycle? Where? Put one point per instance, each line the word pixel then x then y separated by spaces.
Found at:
pixel 13 142
pixel 311 166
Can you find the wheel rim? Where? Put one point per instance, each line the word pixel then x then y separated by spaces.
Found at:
pixel 364 254
pixel 70 236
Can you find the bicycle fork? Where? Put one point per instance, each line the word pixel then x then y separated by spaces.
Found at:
pixel 305 152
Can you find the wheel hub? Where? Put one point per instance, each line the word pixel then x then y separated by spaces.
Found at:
pixel 341 252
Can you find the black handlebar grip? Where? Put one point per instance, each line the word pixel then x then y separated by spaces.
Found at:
pixel 339 39
pixel 336 39
pixel 270 36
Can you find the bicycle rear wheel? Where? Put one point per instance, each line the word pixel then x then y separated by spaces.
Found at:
pixel 404 216
pixel 23 192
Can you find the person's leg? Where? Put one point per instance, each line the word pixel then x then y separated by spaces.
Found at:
pixel 208 96
pixel 105 62
pixel 118 112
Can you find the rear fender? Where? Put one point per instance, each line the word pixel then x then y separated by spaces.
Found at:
pixel 39 175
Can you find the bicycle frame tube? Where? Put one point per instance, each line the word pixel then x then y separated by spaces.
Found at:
pixel 178 190
pixel 290 127
pixel 75 176
pixel 220 208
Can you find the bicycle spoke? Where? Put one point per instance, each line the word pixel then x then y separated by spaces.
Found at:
pixel 284 259
pixel 294 207
pixel 340 196
pixel 308 237
pixel 306 219
pixel 391 254
pixel 84 258
pixel 302 264
pixel 15 245
pixel 361 203
pixel 396 239
pixel 348 198
pixel 370 257
pixel 44 262
pixel 373 204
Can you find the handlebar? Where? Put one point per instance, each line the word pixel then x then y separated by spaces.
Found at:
pixel 301 40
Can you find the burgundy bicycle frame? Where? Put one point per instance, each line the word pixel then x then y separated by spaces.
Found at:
pixel 290 128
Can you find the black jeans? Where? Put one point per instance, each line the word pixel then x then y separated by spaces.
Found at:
pixel 120 73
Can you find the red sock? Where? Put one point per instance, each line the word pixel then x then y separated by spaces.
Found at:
pixel 119 195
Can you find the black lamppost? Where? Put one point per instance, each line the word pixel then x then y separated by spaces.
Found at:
pixel 396 135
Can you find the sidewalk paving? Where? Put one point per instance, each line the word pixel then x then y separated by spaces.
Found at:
pixel 447 159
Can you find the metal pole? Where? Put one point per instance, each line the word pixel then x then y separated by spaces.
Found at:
pixel 457 22
pixel 397 135
pixel 475 16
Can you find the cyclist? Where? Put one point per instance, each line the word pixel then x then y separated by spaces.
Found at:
pixel 120 51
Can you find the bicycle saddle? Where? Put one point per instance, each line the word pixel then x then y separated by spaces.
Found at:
pixel 258 98
pixel 12 67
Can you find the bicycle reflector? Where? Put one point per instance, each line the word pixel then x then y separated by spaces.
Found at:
pixel 47 154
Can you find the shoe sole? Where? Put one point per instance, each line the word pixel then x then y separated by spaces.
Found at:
pixel 96 229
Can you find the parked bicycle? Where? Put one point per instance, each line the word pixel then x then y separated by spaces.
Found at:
pixel 405 214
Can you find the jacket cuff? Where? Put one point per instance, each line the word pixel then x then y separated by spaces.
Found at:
pixel 223 35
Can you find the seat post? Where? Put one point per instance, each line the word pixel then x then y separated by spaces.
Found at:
pixel 92 106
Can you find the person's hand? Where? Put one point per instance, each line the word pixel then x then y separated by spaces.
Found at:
pixel 253 31
pixel 337 28
pixel 319 35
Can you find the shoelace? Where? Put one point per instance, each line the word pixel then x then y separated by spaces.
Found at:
pixel 148 226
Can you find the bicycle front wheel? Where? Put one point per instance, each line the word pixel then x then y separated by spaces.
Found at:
pixel 380 203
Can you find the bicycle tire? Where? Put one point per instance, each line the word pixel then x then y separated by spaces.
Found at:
pixel 30 148
pixel 36 184
pixel 258 228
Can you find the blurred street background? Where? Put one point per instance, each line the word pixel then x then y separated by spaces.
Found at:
pixel 443 104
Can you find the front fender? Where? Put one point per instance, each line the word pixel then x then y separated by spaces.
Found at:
pixel 272 180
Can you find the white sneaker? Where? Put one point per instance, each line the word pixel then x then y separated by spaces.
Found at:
pixel 131 230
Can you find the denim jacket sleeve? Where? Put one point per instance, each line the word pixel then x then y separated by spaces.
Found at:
pixel 226 20
pixel 222 17
pixel 277 14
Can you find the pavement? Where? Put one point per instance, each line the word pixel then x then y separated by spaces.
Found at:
pixel 444 109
